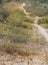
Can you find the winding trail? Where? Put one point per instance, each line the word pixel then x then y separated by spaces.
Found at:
pixel 40 29
pixel 22 8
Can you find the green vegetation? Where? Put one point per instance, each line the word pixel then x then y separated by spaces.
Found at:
pixel 17 29
pixel 37 9
pixel 43 22
pixel 42 1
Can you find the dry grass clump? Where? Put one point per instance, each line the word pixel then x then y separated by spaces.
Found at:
pixel 10 47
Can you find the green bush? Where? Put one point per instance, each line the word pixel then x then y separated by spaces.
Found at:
pixel 43 20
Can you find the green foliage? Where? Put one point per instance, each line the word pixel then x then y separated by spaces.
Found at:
pixel 43 22
pixel 37 9
pixel 42 1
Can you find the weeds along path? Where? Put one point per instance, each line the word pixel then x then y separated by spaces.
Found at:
pixel 41 29
pixel 39 59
